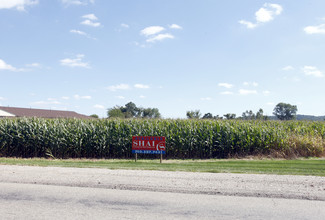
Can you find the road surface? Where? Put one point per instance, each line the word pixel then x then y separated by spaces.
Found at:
pixel 74 193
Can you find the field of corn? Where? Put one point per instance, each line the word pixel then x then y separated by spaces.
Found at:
pixel 75 138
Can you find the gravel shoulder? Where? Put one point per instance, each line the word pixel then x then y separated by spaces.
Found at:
pixel 249 185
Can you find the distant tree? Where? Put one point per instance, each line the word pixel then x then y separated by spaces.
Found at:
pixel 130 110
pixel 259 114
pixel 218 117
pixel 230 116
pixel 150 113
pixel 94 116
pixel 248 115
pixel 193 114
pixel 115 112
pixel 207 116
pixel 285 111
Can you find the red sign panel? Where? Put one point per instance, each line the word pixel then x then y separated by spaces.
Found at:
pixel 148 144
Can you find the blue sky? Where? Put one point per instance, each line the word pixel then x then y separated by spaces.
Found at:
pixel 217 56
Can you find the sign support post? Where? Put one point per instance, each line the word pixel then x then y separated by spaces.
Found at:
pixel 136 157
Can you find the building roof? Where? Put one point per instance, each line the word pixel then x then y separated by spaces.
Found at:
pixel 40 113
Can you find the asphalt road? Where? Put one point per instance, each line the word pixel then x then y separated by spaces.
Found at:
pixel 72 193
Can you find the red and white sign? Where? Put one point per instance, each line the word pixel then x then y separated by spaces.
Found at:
pixel 148 144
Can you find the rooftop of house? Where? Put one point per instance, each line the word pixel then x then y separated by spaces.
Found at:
pixel 40 113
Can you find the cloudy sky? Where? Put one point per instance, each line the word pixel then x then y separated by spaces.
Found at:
pixel 224 56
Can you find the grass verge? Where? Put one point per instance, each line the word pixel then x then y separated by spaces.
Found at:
pixel 313 167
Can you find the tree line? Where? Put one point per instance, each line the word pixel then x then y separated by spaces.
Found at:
pixel 283 111
pixel 130 110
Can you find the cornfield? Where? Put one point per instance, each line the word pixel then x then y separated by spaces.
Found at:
pixel 76 138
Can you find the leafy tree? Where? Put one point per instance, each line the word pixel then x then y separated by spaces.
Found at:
pixel 260 115
pixel 285 111
pixel 130 110
pixel 94 116
pixel 115 112
pixel 248 115
pixel 193 114
pixel 230 116
pixel 218 117
pixel 207 116
pixel 150 113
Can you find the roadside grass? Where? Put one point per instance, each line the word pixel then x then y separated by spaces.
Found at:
pixel 311 166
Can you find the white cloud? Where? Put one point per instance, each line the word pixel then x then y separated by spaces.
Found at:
pixel 247 92
pixel 142 97
pixel 287 68
pixel 265 14
pixel 139 44
pixel 34 65
pixel 17 4
pixel 99 106
pixel 76 62
pixel 248 24
pixel 78 97
pixel 206 99
pixel 175 26
pixel 90 20
pixel 268 13
pixel 120 97
pixel 255 84
pixel 82 34
pixel 278 8
pixel 226 85
pixel 2 99
pixel 125 25
pixel 160 37
pixel 65 97
pixel 270 103
pixel 226 93
pixel 72 2
pixel 90 17
pixel 152 30
pixel 153 34
pixel 119 87
pixel 90 23
pixel 141 86
pixel 320 29
pixel 5 66
pixel 77 2
pixel 312 71
pixel 78 32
